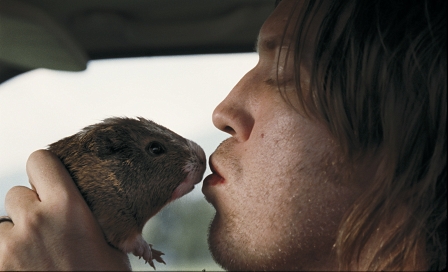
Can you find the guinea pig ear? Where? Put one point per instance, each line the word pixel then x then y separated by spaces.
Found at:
pixel 108 141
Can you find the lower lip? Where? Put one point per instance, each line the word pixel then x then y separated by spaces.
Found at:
pixel 212 180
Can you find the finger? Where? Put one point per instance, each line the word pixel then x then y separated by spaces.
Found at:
pixel 58 192
pixel 49 177
pixel 19 201
pixel 5 228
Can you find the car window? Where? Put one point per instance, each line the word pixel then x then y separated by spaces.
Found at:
pixel 43 106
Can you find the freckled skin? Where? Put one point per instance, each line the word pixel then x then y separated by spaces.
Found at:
pixel 283 193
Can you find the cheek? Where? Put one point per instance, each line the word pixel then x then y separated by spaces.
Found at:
pixel 291 182
pixel 286 196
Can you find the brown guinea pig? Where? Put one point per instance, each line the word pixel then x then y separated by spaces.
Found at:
pixel 127 170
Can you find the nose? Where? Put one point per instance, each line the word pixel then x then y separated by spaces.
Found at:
pixel 233 114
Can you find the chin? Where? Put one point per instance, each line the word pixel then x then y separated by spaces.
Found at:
pixel 232 254
pixel 223 250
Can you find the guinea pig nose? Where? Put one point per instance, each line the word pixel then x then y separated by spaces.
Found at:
pixel 197 161
pixel 199 152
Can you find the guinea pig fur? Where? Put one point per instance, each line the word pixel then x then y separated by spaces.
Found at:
pixel 127 170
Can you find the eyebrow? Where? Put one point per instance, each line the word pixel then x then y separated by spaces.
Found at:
pixel 266 43
pixel 258 37
pixel 256 44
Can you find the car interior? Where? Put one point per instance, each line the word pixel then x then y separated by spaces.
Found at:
pixel 65 35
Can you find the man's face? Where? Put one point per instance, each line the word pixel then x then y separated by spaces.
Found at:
pixel 278 184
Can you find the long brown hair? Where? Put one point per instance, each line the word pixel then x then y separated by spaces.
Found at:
pixel 379 82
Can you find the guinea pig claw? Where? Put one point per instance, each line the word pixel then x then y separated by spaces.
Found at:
pixel 151 263
pixel 156 255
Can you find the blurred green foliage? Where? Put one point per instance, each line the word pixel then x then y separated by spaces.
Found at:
pixel 180 231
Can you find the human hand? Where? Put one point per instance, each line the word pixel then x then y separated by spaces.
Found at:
pixel 52 227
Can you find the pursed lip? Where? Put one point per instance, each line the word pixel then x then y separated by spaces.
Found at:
pixel 215 178
pixel 211 164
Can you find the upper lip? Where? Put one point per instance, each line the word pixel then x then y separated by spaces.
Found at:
pixel 212 165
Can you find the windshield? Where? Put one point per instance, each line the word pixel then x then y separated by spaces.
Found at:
pixel 43 106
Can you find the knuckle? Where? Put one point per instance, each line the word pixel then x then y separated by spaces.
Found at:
pixel 13 193
pixel 33 222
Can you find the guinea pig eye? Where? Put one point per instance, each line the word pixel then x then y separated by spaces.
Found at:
pixel 155 148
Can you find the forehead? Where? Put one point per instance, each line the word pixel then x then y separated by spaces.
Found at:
pixel 273 30
pixel 282 26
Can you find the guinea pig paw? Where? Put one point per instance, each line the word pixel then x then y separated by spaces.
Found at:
pixel 140 248
pixel 157 255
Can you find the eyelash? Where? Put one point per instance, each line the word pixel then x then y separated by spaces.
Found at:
pixel 273 82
